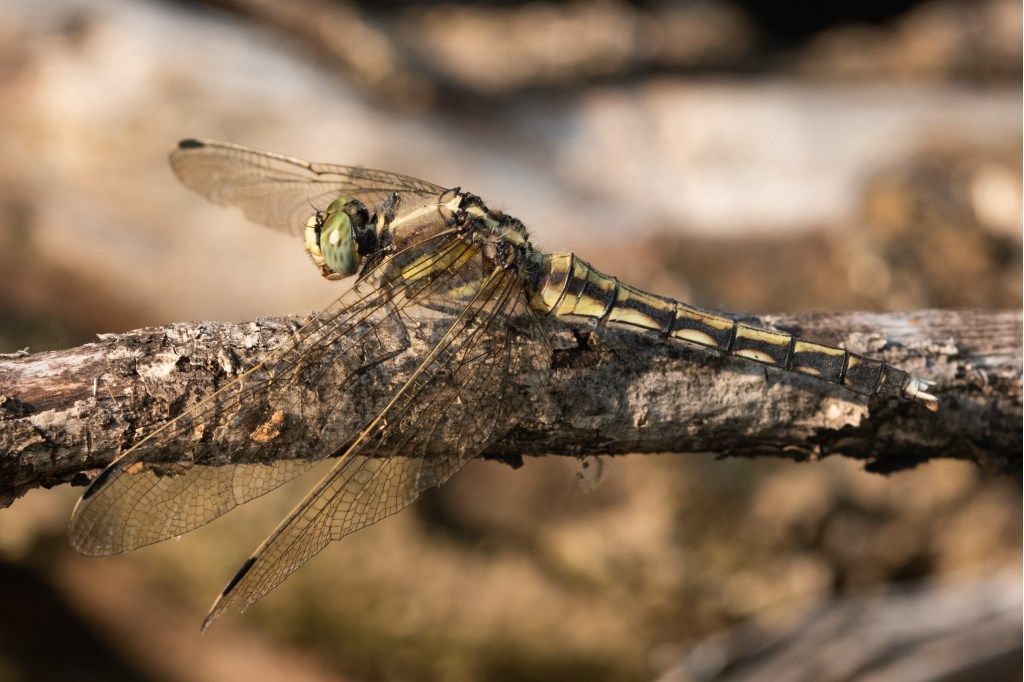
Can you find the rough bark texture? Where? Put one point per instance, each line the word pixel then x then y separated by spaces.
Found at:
pixel 65 414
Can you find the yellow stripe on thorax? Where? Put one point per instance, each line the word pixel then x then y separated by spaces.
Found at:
pixel 451 261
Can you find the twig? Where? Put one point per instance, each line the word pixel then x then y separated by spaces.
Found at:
pixel 65 414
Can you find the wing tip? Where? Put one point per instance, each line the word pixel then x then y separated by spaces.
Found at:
pixel 238 576
pixel 79 538
pixel 211 616
pixel 222 600
pixel 81 541
pixel 97 483
pixel 191 143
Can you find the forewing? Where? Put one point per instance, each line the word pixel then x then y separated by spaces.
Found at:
pixel 280 191
pixel 471 388
pixel 267 426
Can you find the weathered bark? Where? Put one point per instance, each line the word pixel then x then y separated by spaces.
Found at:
pixel 950 630
pixel 64 414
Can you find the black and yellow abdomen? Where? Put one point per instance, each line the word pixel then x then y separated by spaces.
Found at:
pixel 573 290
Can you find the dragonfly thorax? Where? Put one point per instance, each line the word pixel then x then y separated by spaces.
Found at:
pixel 338 237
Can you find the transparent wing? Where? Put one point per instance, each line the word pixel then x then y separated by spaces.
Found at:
pixel 280 191
pixel 470 389
pixel 258 431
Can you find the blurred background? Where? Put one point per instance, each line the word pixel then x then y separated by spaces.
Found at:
pixel 738 155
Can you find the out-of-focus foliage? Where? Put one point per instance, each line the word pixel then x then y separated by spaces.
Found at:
pixel 855 160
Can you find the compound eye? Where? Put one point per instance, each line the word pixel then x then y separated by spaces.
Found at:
pixel 338 245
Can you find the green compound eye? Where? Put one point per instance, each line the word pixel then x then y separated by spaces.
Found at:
pixel 337 205
pixel 338 243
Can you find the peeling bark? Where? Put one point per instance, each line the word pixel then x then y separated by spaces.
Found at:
pixel 66 414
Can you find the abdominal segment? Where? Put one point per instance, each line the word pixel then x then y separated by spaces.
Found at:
pixel 573 290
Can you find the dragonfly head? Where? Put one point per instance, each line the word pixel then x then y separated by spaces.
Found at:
pixel 338 237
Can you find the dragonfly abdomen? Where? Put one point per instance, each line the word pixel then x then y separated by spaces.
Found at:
pixel 575 291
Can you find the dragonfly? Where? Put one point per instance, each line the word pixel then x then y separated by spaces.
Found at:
pixel 417 251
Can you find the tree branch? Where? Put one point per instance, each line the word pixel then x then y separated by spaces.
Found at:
pixel 65 414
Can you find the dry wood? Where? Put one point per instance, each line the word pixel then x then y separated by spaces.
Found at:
pixel 65 414
pixel 967 629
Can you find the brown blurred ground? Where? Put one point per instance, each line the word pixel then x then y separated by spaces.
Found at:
pixel 864 160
